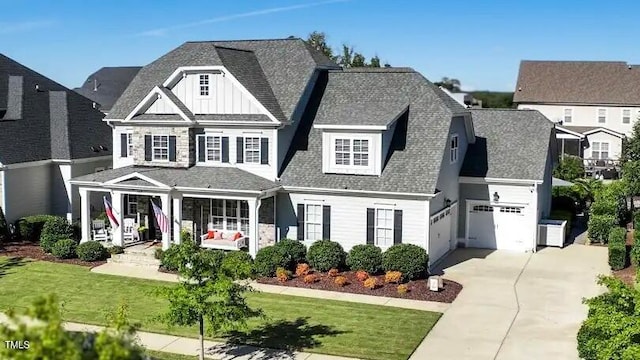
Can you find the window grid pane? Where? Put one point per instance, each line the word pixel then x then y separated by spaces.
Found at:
pixel 343 152
pixel 129 144
pixel 361 152
pixel 384 227
pixel 313 222
pixel 252 150
pixel 204 85
pixel 626 116
pixel 160 146
pixel 213 147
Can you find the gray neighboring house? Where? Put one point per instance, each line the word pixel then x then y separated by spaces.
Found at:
pixel 270 139
pixel 107 84
pixel 48 134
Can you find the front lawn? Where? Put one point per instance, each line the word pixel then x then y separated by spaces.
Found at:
pixel 293 323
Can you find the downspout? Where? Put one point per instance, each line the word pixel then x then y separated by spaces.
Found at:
pixel 535 238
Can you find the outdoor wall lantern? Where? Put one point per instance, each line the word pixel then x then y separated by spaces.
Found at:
pixel 496 197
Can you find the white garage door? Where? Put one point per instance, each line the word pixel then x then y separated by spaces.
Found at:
pixel 497 227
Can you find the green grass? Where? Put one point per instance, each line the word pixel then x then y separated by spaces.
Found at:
pixel 293 323
pixel 159 355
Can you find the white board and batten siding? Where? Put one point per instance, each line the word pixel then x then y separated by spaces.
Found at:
pixel 349 217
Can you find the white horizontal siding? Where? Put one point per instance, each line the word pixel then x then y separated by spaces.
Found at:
pixel 349 217
pixel 615 144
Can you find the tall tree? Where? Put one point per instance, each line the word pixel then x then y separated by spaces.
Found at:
pixel 358 60
pixel 449 84
pixel 375 61
pixel 207 292
pixel 631 147
pixel 346 56
pixel 318 40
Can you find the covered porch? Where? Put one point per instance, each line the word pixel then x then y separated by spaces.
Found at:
pixel 218 218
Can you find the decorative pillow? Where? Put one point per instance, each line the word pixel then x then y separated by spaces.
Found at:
pixel 218 235
pixel 210 234
pixel 237 236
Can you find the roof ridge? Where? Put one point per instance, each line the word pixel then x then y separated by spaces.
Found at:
pixel 243 40
pixel 366 69
pixel 578 61
pixel 232 48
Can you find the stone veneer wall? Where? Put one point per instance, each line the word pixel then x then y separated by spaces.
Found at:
pixel 183 153
pixel 266 223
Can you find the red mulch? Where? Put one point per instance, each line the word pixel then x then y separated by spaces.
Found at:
pixel 418 289
pixel 34 251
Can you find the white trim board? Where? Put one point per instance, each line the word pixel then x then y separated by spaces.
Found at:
pixel 486 180
pixel 149 100
pixel 357 192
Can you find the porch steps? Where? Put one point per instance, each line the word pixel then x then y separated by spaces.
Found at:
pixel 136 256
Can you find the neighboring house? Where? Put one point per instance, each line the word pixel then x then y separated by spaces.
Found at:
pixel 106 85
pixel 48 134
pixel 272 139
pixel 595 103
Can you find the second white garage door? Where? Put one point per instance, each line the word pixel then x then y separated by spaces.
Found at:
pixel 497 227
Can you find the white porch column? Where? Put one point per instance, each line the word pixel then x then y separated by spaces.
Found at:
pixel 118 211
pixel 85 215
pixel 166 209
pixel 253 227
pixel 177 218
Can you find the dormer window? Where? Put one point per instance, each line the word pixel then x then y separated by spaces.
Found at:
pixel 350 151
pixel 204 84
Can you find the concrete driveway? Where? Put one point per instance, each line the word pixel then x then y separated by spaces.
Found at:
pixel 515 306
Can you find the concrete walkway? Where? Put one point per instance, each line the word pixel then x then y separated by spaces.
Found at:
pixel 516 306
pixel 149 273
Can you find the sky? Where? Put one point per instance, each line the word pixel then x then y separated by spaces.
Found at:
pixel 481 43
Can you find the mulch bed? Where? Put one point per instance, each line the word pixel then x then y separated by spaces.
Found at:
pixel 34 251
pixel 418 289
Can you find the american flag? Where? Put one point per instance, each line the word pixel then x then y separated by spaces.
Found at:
pixel 161 218
pixel 109 210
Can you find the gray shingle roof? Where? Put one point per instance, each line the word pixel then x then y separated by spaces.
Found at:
pixel 221 178
pixel 108 83
pixel 510 144
pixel 171 96
pixel 287 65
pixel 584 129
pixel 578 82
pixel 418 143
pixel 45 121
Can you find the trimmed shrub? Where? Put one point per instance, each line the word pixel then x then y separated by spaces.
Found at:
pixel 569 168
pixel 403 289
pixel 341 281
pixel 29 228
pixel 333 272
pixel 326 254
pixel 55 229
pixel 267 260
pixel 617 256
pixel 214 258
pixel 635 254
pixel 393 277
pixel 411 260
pixel 238 265
pixel 5 236
pixel 310 279
pixel 91 251
pixel 114 250
pixel 599 227
pixel 283 274
pixel 371 283
pixel 302 269
pixel 169 258
pixel 618 235
pixel 293 251
pixel 362 275
pixel 64 249
pixel 365 257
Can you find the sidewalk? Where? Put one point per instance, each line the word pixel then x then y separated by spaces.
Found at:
pixel 152 274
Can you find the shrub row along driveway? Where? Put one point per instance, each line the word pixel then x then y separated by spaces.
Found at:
pixel 516 306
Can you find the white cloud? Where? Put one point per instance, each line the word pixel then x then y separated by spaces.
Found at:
pixel 24 26
pixel 163 31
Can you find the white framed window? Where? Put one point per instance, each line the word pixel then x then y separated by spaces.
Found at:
pixel 602 116
pixel 351 151
pixel 511 209
pixel 132 204
pixel 252 150
pixel 160 147
pixel 384 227
pixel 567 116
pixel 230 215
pixel 204 84
pixel 626 116
pixel 313 222
pixel 483 208
pixel 600 150
pixel 453 148
pixel 213 148
pixel 129 144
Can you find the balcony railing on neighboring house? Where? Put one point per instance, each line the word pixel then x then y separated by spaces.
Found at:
pixel 602 168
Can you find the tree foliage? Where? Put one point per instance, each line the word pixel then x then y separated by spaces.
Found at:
pixel 452 85
pixel 612 329
pixel 346 56
pixel 5 236
pixel 494 99
pixel 318 40
pixel 207 293
pixel 569 168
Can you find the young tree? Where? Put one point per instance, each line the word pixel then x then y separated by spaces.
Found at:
pixel 207 292
pixel 375 61
pixel 358 60
pixel 569 168
pixel 318 40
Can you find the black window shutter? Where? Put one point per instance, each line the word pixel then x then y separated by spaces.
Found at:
pixel 125 204
pixel 172 148
pixel 300 222
pixel 326 222
pixel 225 149
pixel 147 148
pixel 239 150
pixel 264 151
pixel 397 226
pixel 371 223
pixel 123 145
pixel 201 149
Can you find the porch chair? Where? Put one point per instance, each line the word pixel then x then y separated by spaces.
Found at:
pixel 99 231
pixel 129 231
pixel 223 240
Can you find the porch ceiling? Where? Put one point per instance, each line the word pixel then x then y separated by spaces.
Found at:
pixel 197 177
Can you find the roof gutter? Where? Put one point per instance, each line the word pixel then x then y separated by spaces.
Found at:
pixel 355 192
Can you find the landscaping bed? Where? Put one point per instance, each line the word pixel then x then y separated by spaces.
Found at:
pixel 418 289
pixel 34 251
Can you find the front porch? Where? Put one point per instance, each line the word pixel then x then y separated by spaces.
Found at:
pixel 226 219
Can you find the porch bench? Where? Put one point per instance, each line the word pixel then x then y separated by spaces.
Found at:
pixel 227 243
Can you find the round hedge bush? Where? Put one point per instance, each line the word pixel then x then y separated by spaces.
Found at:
pixel 54 229
pixel 293 251
pixel 365 257
pixel 238 265
pixel 64 249
pixel 91 251
pixel 267 260
pixel 324 255
pixel 411 260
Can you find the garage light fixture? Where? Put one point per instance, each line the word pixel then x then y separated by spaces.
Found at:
pixel 496 197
